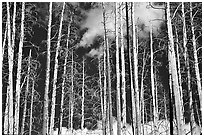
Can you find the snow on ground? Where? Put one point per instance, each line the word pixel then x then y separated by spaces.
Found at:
pixel 163 128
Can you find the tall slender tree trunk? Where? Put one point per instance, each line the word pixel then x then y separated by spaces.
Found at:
pixel 131 77
pixel 4 43
pixel 155 115
pixel 122 50
pixel 64 78
pixel 18 80
pixel 117 70
pixel 5 127
pixel 179 70
pixel 10 77
pixel 172 61
pixel 26 95
pixel 109 91
pixel 108 76
pixel 31 107
pixel 72 94
pixel 47 81
pixel 83 96
pixel 142 92
pixel 52 117
pixel 197 71
pixel 104 120
pixel 6 115
pixel 101 92
pixel 136 85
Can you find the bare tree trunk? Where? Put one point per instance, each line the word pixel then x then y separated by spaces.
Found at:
pixel 172 61
pixel 108 76
pixel 142 92
pixel 109 92
pixel 101 92
pixel 179 70
pixel 31 107
pixel 136 85
pixel 4 43
pixel 82 102
pixel 165 109
pixel 6 115
pixel 52 117
pixel 26 95
pixel 155 115
pixel 117 69
pixel 197 71
pixel 123 84
pixel 47 81
pixel 7 101
pixel 18 80
pixel 131 78
pixel 104 120
pixel 10 77
pixel 72 94
pixel 64 78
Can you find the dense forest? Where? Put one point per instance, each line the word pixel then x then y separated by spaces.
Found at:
pixel 118 68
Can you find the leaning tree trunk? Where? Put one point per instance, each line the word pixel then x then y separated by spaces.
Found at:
pixel 172 61
pixel 118 109
pixel 179 69
pixel 10 77
pixel 26 94
pixel 47 81
pixel 18 80
pixel 52 117
pixel 195 55
pixel 64 78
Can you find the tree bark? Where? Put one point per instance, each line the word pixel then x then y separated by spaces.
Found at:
pixel 123 84
pixel 31 107
pixel 197 71
pixel 72 94
pixel 18 80
pixel 142 92
pixel 10 77
pixel 155 115
pixel 52 117
pixel 108 76
pixel 64 78
pixel 117 70
pixel 47 81
pixel 104 120
pixel 179 70
pixel 26 95
pixel 136 85
pixel 83 97
pixel 172 61
pixel 131 76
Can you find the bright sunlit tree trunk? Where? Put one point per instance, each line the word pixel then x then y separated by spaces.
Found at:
pixel 47 81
